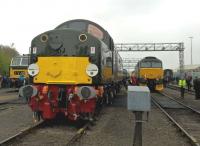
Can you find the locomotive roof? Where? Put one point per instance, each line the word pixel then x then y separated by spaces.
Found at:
pixel 83 21
pixel 150 58
pixel 22 56
pixel 87 26
pixel 168 69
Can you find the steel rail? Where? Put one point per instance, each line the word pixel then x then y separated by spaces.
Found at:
pixel 11 91
pixel 176 87
pixel 78 134
pixel 26 131
pixel 21 134
pixel 193 141
pixel 3 103
pixel 187 106
pixel 11 101
pixel 4 107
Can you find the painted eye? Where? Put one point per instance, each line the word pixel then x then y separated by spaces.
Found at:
pixel 82 37
pixel 44 38
pixel 33 69
pixel 92 70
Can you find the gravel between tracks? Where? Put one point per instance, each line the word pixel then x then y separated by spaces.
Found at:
pixel 13 120
pixel 49 135
pixel 8 95
pixel 159 131
pixel 116 128
pixel 188 98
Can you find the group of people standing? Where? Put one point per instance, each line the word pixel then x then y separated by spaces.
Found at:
pixel 183 82
pixel 6 82
pixel 196 84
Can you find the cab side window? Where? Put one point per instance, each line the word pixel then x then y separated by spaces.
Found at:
pixel 109 62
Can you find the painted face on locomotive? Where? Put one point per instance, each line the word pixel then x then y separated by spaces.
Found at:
pixel 71 43
pixel 65 42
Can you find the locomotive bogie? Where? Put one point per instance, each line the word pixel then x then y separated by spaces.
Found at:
pixel 73 101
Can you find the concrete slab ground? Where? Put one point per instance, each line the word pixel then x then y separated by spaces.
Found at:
pixel 116 128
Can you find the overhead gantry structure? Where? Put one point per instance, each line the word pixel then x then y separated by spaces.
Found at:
pixel 133 47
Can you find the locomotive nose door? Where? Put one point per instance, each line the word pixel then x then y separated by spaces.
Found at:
pixel 62 70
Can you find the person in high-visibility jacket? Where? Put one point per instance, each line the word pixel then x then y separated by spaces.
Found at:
pixel 182 85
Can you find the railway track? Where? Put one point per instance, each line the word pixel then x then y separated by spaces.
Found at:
pixel 184 117
pixel 8 90
pixel 78 135
pixel 15 101
pixel 45 133
pixel 174 87
pixel 13 91
pixel 10 104
pixel 12 98
pixel 5 107
pixel 20 134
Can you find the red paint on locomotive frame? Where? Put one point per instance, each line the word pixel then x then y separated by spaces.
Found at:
pixel 48 104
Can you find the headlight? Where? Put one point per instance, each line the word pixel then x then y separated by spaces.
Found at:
pixel 44 38
pixel 28 91
pixel 92 70
pixel 86 92
pixel 82 37
pixel 33 69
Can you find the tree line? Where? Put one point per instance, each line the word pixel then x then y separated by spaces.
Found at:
pixel 6 54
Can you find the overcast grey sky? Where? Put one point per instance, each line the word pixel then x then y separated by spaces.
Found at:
pixel 126 20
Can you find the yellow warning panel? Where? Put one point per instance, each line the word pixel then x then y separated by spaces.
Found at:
pixel 62 70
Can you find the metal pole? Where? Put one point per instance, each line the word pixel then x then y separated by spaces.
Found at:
pixel 138 129
pixel 181 58
pixel 191 48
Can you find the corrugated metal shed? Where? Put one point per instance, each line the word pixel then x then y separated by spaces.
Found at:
pixel 189 70
pixel 193 68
